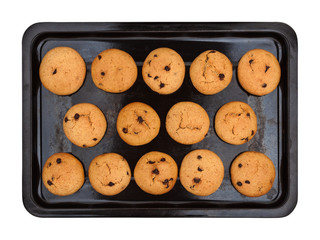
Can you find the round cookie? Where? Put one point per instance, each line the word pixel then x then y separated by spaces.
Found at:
pixel 201 172
pixel 259 72
pixel 114 71
pixel 252 174
pixel 211 72
pixel 163 70
pixel 187 122
pixel 63 174
pixel 138 124
pixel 156 173
pixel 62 71
pixel 109 174
pixel 236 123
pixel 84 125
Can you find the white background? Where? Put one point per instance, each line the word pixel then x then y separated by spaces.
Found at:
pixel 303 16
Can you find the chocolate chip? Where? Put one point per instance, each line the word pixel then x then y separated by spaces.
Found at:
pixel 76 116
pixel 49 182
pixel 49 165
pixel 199 157
pixel 267 67
pixel 155 55
pixel 248 114
pixel 166 181
pixel 58 160
pixel 239 184
pixel 162 160
pixel 196 180
pixel 66 119
pixel 247 181
pixel 54 72
pixel 94 139
pixel 212 51
pixel 167 68
pixel 140 119
pixel 127 173
pixel 252 132
pixel 84 145
pixel 221 76
pixel 149 62
pixel 110 184
pixel 161 85
pixel 149 75
pixel 245 139
pixel 199 169
pixel 240 165
pixel 125 130
pixel 99 56
pixel 156 77
pixel 102 73
pixel 250 61
pixel 145 111
pixel 151 162
pixel 136 133
pixel 155 171
pixel 264 85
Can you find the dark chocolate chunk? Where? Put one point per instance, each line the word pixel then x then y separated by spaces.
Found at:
pixel 161 85
pixel 76 116
pixel 155 171
pixel 54 72
pixel 252 132
pixel 156 77
pixel 162 160
pixel 66 119
pixel 84 145
pixel 110 184
pixel 247 181
pixel 196 180
pixel 99 57
pixel 240 165
pixel 151 162
pixel 199 169
pixel 94 139
pixel 127 173
pixel 199 157
pixel 49 182
pixel 58 160
pixel 212 51
pixel 167 68
pixel 221 76
pixel 245 139
pixel 102 73
pixel 166 181
pixel 149 62
pixel 239 184
pixel 264 85
pixel 125 130
pixel 155 55
pixel 248 114
pixel 140 119
pixel 267 67
pixel 149 75
pixel 49 165
pixel 250 61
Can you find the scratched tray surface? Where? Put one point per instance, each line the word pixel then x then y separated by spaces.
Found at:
pixel 52 108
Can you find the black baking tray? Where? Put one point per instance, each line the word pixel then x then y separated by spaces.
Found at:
pixel 276 112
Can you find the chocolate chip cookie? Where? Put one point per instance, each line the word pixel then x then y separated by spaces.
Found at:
pixel 163 70
pixel 259 72
pixel 211 72
pixel 236 123
pixel 156 173
pixel 109 174
pixel 252 174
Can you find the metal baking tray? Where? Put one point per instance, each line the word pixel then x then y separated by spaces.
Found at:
pixel 276 112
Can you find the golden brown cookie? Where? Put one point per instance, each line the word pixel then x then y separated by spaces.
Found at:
pixel 62 71
pixel 211 72
pixel 236 123
pixel 114 71
pixel 84 125
pixel 156 173
pixel 252 174
pixel 201 172
pixel 163 70
pixel 187 122
pixel 63 174
pixel 109 174
pixel 259 72
pixel 138 124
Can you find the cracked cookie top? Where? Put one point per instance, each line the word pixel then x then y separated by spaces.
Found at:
pixel 63 174
pixel 109 174
pixel 156 173
pixel 138 124
pixel 163 70
pixel 259 72
pixel 236 123
pixel 187 123
pixel 84 125
pixel 211 72
pixel 114 71
pixel 201 172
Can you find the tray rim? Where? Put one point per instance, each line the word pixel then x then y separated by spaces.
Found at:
pixel 286 32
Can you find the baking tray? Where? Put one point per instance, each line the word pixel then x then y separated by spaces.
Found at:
pixel 276 112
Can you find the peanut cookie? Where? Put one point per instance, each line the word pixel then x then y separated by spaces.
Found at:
pixel 211 72
pixel 63 174
pixel 138 124
pixel 259 72
pixel 252 174
pixel 62 71
pixel 163 70
pixel 84 125
pixel 109 174
pixel 201 172
pixel 236 123
pixel 187 122
pixel 156 173
pixel 114 71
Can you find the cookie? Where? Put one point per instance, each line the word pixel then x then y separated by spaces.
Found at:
pixel 63 174
pixel 259 72
pixel 156 173
pixel 138 124
pixel 211 72
pixel 236 123
pixel 201 172
pixel 187 123
pixel 84 125
pixel 114 71
pixel 109 174
pixel 163 70
pixel 252 174
pixel 62 71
